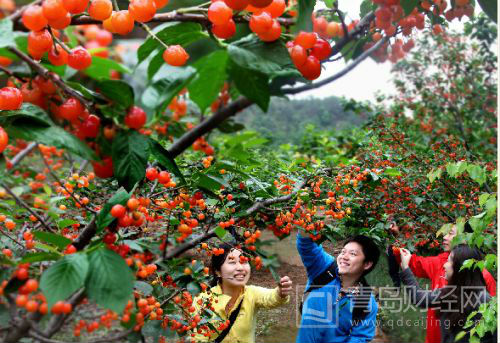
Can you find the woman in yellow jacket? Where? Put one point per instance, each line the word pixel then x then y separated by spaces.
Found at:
pixel 231 272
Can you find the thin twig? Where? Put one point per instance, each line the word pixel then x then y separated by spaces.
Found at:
pixel 22 154
pixel 51 172
pixel 23 204
pixel 11 238
pixel 12 74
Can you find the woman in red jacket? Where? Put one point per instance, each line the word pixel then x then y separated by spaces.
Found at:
pixel 432 268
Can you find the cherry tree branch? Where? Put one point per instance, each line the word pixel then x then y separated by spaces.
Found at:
pixel 178 17
pixel 86 235
pixel 56 79
pixel 21 203
pixel 207 125
pixel 22 154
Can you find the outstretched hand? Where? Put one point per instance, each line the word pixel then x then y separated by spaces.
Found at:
pixel 405 258
pixel 285 286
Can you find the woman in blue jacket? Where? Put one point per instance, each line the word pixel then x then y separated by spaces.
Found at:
pixel 341 307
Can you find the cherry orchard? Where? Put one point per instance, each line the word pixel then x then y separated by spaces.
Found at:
pixel 72 236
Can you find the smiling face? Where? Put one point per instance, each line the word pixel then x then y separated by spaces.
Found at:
pixel 448 238
pixel 351 260
pixel 448 267
pixel 234 273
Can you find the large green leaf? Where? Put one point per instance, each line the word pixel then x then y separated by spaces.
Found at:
pixel 118 91
pixel 304 22
pixel 104 218
pixel 48 237
pixel 269 58
pixel 6 33
pixel 39 257
pixel 366 7
pixel 160 93
pixel 101 68
pixel 490 7
pixel 211 74
pixel 155 64
pixel 64 277
pixel 130 152
pixel 110 281
pixel 209 182
pixel 252 84
pixel 163 157
pixel 29 112
pixel 171 33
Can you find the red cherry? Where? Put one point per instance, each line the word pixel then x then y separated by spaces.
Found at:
pixel 90 126
pixel 311 70
pixel 71 109
pixel 79 58
pixel 151 173
pixel 321 49
pixel 11 98
pixel 103 169
pixel 135 118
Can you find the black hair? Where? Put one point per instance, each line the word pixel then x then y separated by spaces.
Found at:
pixel 468 228
pixel 218 260
pixel 467 281
pixel 370 250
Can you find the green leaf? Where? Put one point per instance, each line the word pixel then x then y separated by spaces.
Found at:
pixel 434 174
pixel 48 237
pixel 85 92
pixel 130 152
pixel 101 68
pixel 40 257
pixel 460 335
pixel 392 172
pixel 163 157
pixel 304 22
pixel 209 182
pixel 467 264
pixel 163 91
pixel 230 126
pixel 211 74
pixel 104 218
pixel 452 169
pixel 27 112
pixel 65 223
pixel 251 53
pixel 477 173
pixel 366 7
pixel 155 64
pixel 171 33
pixel 110 281
pixel 409 5
pixel 118 91
pixel 444 229
pixel 220 232
pixel 252 84
pixel 490 7
pixel 143 287
pixel 64 277
pixel 6 33
pixel 483 198
pixel 275 274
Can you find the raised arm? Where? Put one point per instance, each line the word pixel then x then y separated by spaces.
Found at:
pixel 314 258
pixel 267 297
pixel 418 296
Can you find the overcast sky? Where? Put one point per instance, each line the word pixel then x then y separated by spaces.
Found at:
pixel 363 82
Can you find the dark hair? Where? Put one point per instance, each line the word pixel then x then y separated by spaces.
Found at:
pixel 468 228
pixel 370 250
pixel 218 261
pixel 467 282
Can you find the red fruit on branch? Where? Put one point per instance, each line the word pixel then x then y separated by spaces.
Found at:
pixel 224 31
pixel 219 13
pixel 298 55
pixel 175 55
pixel 306 39
pixel 261 23
pixel 118 211
pixel 58 56
pixel 11 98
pixel 142 10
pixel 122 22
pixel 311 69
pixel 272 34
pixel 71 109
pixel 135 118
pixel 90 126
pixel 33 18
pixel 4 139
pixel 40 40
pixel 75 6
pixel 237 5
pixel 79 58
pixel 103 169
pixel 321 49
pixel 260 3
pixel 100 9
